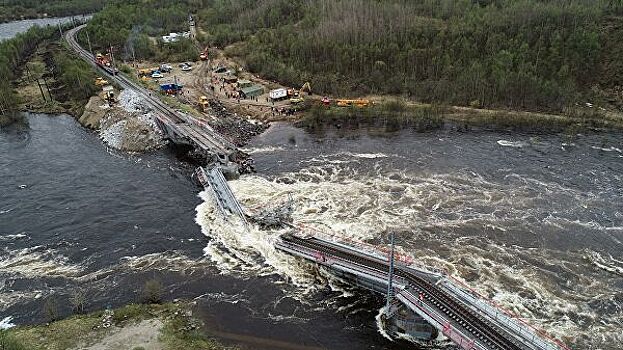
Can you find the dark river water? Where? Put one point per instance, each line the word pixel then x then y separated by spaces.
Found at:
pixel 10 29
pixel 534 222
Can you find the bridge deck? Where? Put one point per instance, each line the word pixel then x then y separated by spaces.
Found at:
pixel 425 294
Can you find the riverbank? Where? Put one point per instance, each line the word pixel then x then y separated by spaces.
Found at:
pixel 52 81
pixel 388 111
pixel 135 326
pixel 392 114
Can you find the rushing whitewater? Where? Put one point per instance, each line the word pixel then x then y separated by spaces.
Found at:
pixel 501 234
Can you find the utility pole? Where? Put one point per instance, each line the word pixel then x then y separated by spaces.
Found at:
pixel 89 42
pixel 60 29
pixel 390 292
pixel 41 90
pixel 47 87
pixel 27 71
pixel 112 59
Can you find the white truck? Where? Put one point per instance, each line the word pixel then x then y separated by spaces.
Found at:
pixel 278 94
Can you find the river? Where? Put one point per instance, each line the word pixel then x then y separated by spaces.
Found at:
pixel 533 221
pixel 75 215
pixel 10 29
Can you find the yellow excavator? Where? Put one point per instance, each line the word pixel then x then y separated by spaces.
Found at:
pixel 99 81
pixel 204 103
pixel 297 96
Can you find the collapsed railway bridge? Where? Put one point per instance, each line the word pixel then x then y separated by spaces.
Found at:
pixel 420 302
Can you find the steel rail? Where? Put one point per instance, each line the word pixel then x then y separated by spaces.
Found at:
pixel 483 330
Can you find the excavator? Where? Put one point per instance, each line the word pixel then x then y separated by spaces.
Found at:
pixel 99 81
pixel 204 103
pixel 297 96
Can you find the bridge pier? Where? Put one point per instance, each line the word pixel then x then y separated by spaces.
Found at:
pixel 398 321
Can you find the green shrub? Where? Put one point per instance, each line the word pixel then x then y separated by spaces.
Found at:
pixel 8 342
pixel 152 292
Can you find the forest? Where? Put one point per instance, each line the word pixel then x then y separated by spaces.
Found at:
pixel 11 10
pixel 13 53
pixel 523 54
pixel 72 77
pixel 129 26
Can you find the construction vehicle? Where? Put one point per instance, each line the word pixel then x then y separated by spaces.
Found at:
pixel 292 93
pixel 297 100
pixel 171 89
pixel 104 61
pixel 99 81
pixel 109 94
pixel 204 103
pixel 356 103
pixel 146 72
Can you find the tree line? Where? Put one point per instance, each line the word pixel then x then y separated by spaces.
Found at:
pixel 133 29
pixel 11 10
pixel 526 54
pixel 13 54
pixel 73 78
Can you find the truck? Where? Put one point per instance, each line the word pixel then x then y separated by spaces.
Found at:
pixel 171 89
pixel 104 61
pixel 278 94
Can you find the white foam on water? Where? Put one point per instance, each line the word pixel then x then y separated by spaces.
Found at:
pixel 379 323
pixel 610 264
pixel 426 211
pixel 515 144
pixel 366 155
pixel 264 149
pixel 12 237
pixel 607 149
pixel 5 323
pixel 37 262
pixel 169 261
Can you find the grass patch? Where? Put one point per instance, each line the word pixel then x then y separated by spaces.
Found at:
pixel 391 116
pixel 63 334
pixel 181 331
pixel 572 118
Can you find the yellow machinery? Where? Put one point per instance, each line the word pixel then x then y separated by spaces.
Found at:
pixel 109 94
pixel 146 72
pixel 356 103
pixel 296 97
pixel 305 88
pixel 101 81
pixel 204 103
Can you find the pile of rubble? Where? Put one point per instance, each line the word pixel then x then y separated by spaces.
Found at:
pixel 236 128
pixel 106 321
pixel 130 126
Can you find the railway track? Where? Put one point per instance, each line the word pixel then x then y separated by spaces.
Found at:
pixel 195 130
pixel 477 326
